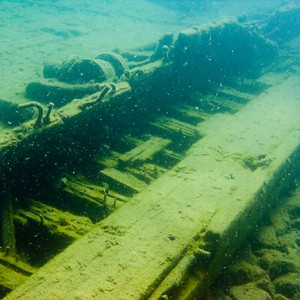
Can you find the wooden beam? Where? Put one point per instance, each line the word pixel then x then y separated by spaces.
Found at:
pixel 125 181
pixel 54 220
pixel 144 151
pixel 7 225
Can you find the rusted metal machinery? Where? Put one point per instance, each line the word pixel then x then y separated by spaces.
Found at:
pixel 140 131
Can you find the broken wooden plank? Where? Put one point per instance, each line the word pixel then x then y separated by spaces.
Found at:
pixel 56 221
pixel 146 172
pixel 96 194
pixel 217 104
pixel 169 158
pixel 92 194
pixel 8 238
pixel 16 264
pixel 169 126
pixel 10 279
pixel 189 114
pixel 230 93
pixel 125 181
pixel 250 86
pixel 145 151
pixel 109 160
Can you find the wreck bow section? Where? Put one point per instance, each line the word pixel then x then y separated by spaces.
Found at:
pixel 132 158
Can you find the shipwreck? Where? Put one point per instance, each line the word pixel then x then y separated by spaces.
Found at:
pixel 139 174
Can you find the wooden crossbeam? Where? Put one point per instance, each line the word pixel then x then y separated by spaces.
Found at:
pixel 145 150
pixel 10 279
pixel 231 93
pixel 58 222
pixel 172 126
pixel 123 180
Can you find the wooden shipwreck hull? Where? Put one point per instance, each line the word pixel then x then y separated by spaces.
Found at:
pixel 159 168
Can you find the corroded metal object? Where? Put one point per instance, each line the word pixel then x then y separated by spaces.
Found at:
pixel 40 109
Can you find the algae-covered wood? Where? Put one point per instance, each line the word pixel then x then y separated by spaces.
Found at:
pixel 202 209
pixel 145 150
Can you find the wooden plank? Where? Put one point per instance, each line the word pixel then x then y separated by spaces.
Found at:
pixel 223 100
pixel 172 126
pixel 56 221
pixel 96 194
pixel 146 172
pixel 200 211
pixel 217 104
pixel 124 179
pixel 251 86
pixel 10 279
pixel 110 159
pixel 16 265
pixel 170 158
pixel 188 114
pixel 89 193
pixel 231 93
pixel 145 150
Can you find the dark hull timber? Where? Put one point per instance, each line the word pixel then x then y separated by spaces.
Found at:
pixel 122 190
